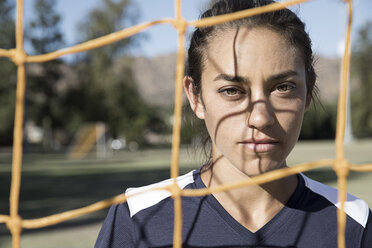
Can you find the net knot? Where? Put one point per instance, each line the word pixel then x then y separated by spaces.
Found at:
pixel 18 57
pixel 174 189
pixel 14 224
pixel 180 24
pixel 341 167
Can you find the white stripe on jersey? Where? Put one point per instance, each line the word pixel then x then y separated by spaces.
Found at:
pixel 354 207
pixel 147 199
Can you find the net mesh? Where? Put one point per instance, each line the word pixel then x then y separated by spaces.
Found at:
pixel 341 166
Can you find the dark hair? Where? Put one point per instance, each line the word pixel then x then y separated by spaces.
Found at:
pixel 283 21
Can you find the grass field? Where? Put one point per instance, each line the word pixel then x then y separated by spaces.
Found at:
pixel 53 184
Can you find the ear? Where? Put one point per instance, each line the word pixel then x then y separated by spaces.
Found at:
pixel 194 99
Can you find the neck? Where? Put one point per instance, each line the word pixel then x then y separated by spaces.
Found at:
pixel 252 206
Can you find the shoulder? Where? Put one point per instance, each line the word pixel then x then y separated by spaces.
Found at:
pixel 117 229
pixel 367 235
pixel 355 208
pixel 147 196
pixel 124 225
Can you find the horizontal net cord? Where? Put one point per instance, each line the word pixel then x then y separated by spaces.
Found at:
pixel 68 215
pixel 6 52
pixel 88 45
pixel 125 33
pixel 58 218
pixel 96 43
pixel 4 218
pixel 361 167
pixel 215 20
pixel 121 198
pixel 260 179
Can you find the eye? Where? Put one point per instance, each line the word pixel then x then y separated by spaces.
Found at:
pixel 285 87
pixel 231 92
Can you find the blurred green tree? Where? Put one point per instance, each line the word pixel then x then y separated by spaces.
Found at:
pixel 319 122
pixel 43 98
pixel 107 91
pixel 7 73
pixel 44 32
pixel 361 98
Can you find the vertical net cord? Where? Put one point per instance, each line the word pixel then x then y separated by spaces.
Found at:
pixel 178 95
pixel 341 166
pixel 180 26
pixel 15 223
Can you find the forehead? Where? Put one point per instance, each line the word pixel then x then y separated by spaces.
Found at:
pixel 248 52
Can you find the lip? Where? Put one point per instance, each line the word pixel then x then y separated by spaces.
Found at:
pixel 259 145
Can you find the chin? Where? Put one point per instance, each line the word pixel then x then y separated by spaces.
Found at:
pixel 260 166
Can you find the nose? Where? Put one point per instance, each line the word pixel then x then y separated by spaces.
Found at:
pixel 261 115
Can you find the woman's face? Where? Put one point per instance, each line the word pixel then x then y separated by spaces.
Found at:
pixel 253 98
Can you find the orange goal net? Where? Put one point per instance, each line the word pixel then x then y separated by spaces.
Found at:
pixel 342 167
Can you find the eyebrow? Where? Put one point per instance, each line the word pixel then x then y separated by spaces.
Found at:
pixel 282 75
pixel 240 79
pixel 231 78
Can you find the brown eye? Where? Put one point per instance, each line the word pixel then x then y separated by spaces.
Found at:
pixel 285 87
pixel 231 92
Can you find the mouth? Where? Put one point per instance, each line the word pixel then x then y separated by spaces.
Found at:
pixel 259 145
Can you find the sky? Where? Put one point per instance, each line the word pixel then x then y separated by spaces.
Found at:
pixel 325 21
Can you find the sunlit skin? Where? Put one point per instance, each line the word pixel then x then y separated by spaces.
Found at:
pixel 253 100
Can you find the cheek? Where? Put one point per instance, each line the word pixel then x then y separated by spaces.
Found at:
pixel 290 111
pixel 290 119
pixel 224 123
pixel 215 119
pixel 213 122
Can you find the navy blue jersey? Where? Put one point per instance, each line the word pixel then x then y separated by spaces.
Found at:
pixel 309 219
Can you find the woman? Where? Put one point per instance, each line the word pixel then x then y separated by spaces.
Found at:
pixel 251 81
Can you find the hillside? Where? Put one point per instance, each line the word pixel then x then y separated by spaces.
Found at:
pixel 156 77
